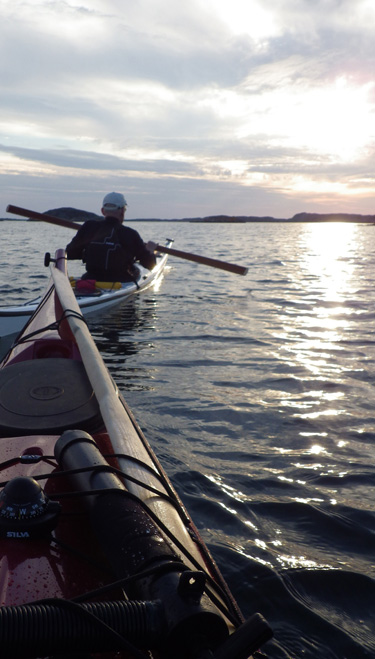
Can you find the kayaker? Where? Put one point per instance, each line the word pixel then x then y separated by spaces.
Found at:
pixel 107 247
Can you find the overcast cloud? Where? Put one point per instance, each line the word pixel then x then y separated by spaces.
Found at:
pixel 241 107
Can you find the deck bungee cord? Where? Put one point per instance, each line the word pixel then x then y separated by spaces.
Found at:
pixel 230 611
pixel 42 613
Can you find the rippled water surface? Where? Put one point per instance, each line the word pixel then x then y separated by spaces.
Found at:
pixel 257 394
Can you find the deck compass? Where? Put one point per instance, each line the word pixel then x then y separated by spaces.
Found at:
pixel 25 509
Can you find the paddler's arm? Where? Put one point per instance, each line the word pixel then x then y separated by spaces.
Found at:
pixel 145 255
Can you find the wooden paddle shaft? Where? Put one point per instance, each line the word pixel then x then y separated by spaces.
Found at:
pixel 124 438
pixel 188 256
pixel 204 260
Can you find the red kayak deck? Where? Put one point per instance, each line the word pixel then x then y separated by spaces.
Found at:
pixel 65 564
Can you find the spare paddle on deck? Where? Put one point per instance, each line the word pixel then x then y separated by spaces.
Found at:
pixel 203 260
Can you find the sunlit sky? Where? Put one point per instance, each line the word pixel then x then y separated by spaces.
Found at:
pixel 236 107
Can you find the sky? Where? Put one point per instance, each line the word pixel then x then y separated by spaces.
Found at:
pixel 234 107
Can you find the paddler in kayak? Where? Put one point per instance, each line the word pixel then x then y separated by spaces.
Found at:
pixel 108 248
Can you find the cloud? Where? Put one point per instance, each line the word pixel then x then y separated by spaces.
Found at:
pixel 89 160
pixel 267 101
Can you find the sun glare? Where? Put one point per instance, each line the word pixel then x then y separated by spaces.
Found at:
pixel 336 120
pixel 246 16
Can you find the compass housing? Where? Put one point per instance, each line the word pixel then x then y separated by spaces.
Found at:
pixel 25 509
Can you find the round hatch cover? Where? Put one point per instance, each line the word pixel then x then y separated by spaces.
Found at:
pixel 46 395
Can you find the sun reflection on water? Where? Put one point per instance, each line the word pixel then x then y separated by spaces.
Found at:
pixel 316 317
pixel 268 547
pixel 329 249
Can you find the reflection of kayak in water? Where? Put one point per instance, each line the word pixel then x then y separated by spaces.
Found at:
pixel 92 297
pixel 99 556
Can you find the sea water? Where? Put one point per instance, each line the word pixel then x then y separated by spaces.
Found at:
pixel 257 394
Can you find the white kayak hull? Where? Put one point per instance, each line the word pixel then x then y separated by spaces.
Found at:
pixel 14 318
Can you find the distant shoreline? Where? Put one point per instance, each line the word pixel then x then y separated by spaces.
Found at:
pixel 81 216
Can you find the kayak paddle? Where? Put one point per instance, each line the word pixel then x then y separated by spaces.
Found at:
pixel 188 256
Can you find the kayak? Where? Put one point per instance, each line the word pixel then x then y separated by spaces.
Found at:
pixel 92 297
pixel 99 558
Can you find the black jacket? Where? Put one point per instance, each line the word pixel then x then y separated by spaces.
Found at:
pixel 109 250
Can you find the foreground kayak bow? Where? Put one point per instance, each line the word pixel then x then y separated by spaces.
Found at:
pixel 99 558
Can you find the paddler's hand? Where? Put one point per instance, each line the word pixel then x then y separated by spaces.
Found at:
pixel 151 246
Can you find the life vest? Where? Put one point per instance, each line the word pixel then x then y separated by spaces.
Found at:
pixel 106 258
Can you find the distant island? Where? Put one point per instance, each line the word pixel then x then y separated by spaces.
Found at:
pixel 300 217
pixel 76 215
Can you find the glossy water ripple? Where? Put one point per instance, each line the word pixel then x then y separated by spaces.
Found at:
pixel 257 395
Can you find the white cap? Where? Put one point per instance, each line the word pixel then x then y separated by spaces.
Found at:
pixel 114 200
